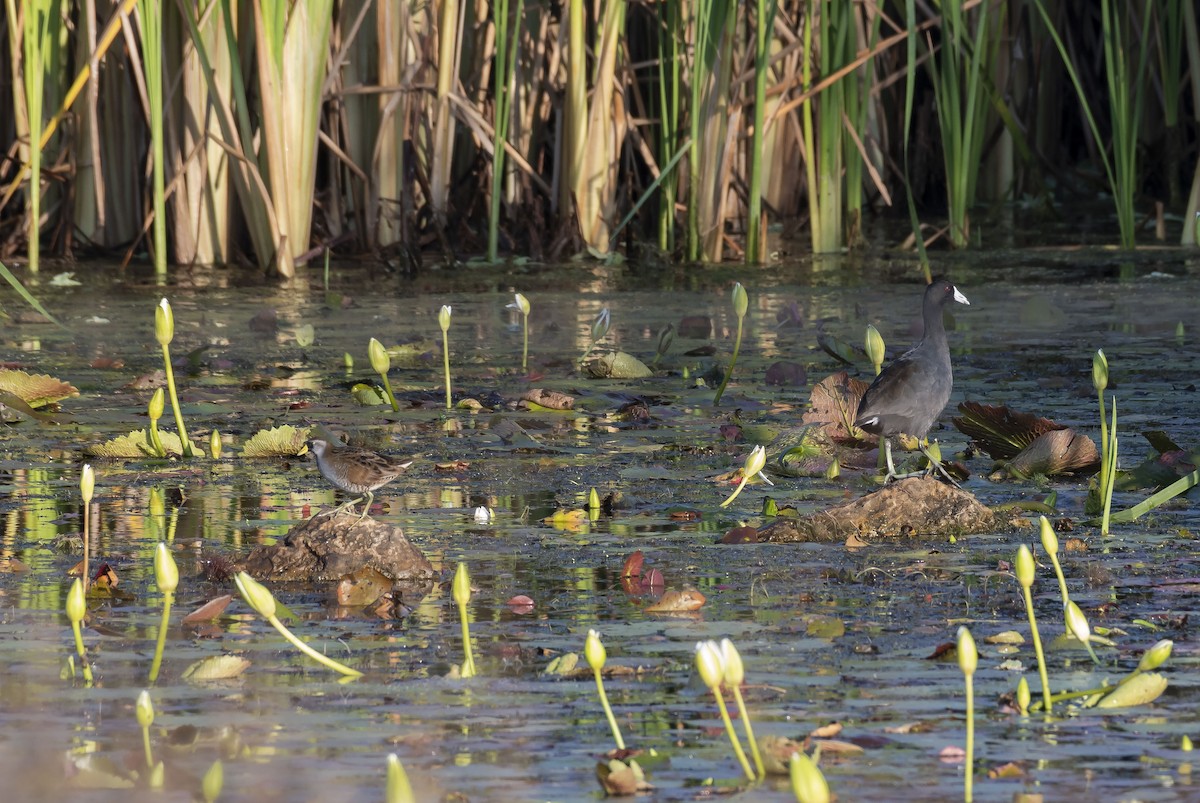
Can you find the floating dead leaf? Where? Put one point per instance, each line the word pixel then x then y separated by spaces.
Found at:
pixel 944 652
pixel 36 390
pixel 1008 771
pixel 777 752
pixel 685 515
pixel 633 564
pixel 786 373
pixel 620 779
pixel 209 610
pixel 678 602
pixel 952 754
pixel 834 404
pixel 107 364
pixel 1000 431
pixel 362 587
pixel 838 747
pixel 1006 637
pixel 12 565
pixel 1137 690
pixel 826 731
pixel 909 727
pixel 136 445
pixel 284 441
pixel 452 466
pixel 520 604
pixel 216 667
pixel 618 365
pixel 740 535
pixel 1075 545
pixel 550 399
pixel 1062 451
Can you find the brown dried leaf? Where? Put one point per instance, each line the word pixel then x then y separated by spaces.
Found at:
pixel 777 752
pixel 826 731
pixel 832 746
pixel 550 399
pixel 362 587
pixel 678 602
pixel 209 610
pixel 1000 431
pixel 36 390
pixel 1061 451
pixel 520 604
pixel 633 564
pixel 834 402
pixel 620 779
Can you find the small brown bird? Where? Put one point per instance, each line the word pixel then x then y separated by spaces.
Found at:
pixel 356 471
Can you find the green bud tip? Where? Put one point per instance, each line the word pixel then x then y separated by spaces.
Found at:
pixel 157 403
pixel 214 781
pixel 1185 744
pixel 808 782
pixel 76 606
pixel 444 317
pixel 709 663
pixel 1023 695
pixel 1154 657
pixel 166 573
pixel 87 483
pixel 1049 537
pixel 380 361
pixel 594 652
pixel 164 323
pixel 256 594
pixel 874 344
pixel 520 303
pixel 1077 623
pixel 968 655
pixel 1099 371
pixel 461 587
pixel 1024 566
pixel 735 671
pixel 741 301
pixel 601 325
pixel 214 444
pixel 144 708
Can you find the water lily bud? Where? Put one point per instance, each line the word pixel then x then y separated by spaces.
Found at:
pixel 1049 538
pixel 735 671
pixel 875 348
pixel 1154 657
pixel 347 361
pixel 461 588
pixel 601 324
pixel 214 444
pixel 164 323
pixel 157 402
pixel 1099 371
pixel 213 781
pixel 741 301
pixel 87 483
pixel 709 663
pixel 76 606
pixel 593 500
pixel 256 594
pixel 399 790
pixel 483 515
pixel 1024 566
pixel 380 361
pixel 834 470
pixel 444 317
pixel 144 708
pixel 157 776
pixel 1023 696
pixel 1185 744
pixel 755 462
pixel 166 573
pixel 1077 623
pixel 521 303
pixel 808 782
pixel 593 650
pixel 935 451
pixel 968 656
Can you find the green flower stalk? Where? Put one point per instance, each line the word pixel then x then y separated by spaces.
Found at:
pixel 461 590
pixel 1025 571
pixel 399 790
pixel 259 598
pixel 1050 544
pixel 87 486
pixel 1109 472
pixel 166 576
pixel 155 412
pixel 741 302
pixel 164 333
pixel 76 608
pixel 1100 383
pixel 521 304
pixel 735 673
pixel 968 662
pixel 1077 625
pixel 213 782
pixel 711 667
pixel 875 348
pixel 808 782
pixel 596 655
pixel 144 708
pixel 444 322
pixel 381 363
pixel 753 467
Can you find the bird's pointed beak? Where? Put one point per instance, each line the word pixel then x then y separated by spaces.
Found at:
pixel 960 298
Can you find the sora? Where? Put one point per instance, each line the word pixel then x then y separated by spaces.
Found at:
pixel 911 392
pixel 356 471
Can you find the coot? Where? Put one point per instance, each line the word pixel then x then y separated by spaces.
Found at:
pixel 911 392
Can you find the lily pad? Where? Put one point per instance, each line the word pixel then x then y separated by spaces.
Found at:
pixel 36 390
pixel 834 403
pixel 136 445
pixel 284 441
pixel 1138 690
pixel 1000 431
pixel 618 365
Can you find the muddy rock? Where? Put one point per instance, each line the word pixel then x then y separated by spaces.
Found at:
pixel 327 548
pixel 917 507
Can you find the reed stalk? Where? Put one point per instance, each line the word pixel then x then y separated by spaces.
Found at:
pixel 711 76
pixel 150 22
pixel 764 20
pixel 37 50
pixel 506 57
pixel 442 147
pixel 670 27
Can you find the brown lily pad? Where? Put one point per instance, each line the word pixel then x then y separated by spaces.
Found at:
pixel 1001 431
pixel 1060 451
pixel 36 390
pixel 834 404
pixel 550 399
pixel 678 602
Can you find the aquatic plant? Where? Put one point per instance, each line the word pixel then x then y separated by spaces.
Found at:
pixel 764 21
pixel 76 608
pixel 596 655
pixel 1024 569
pixel 599 330
pixel 521 304
pixel 260 599
pixel 752 468
pixel 144 710
pixel 1110 471
pixel 150 23
pixel 381 363
pixel 461 591
pixel 164 333
pixel 213 781
pixel 710 665
pixel 87 484
pixel 398 789
pixel 807 781
pixel 214 444
pixel 1077 626
pixel 166 577
pixel 968 662
pixel 154 411
pixel 444 322
pixel 735 673
pixel 740 304
pixel 503 69
pixel 1050 544
pixel 1023 696
pixel 875 348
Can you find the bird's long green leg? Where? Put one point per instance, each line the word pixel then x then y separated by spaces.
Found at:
pixel 891 473
pixel 936 465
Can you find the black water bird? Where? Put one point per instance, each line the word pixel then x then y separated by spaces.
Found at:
pixel 911 392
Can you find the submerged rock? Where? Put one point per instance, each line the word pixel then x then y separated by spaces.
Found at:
pixel 917 507
pixel 328 548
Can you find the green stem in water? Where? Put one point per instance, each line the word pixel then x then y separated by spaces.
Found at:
pixel 183 438
pixel 446 365
pixel 1037 649
pixel 608 712
pixel 168 598
pixel 468 665
pixel 745 715
pixel 733 737
pixel 737 344
pixel 310 652
pixel 968 770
